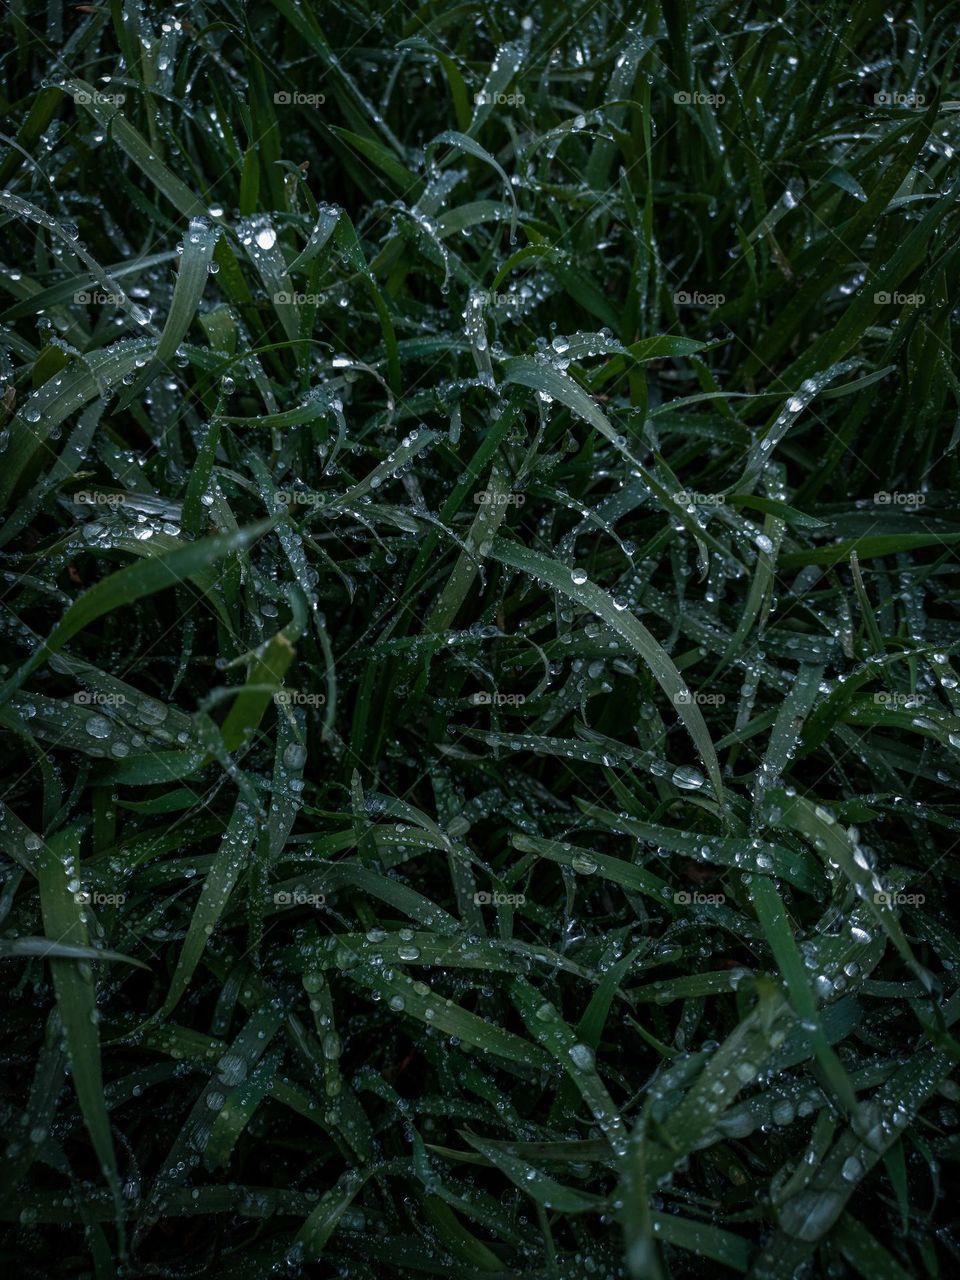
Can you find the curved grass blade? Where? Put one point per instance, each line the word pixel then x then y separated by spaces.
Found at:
pixel 133 583
pixel 587 594
pixel 65 923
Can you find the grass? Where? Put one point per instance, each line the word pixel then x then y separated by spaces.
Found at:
pixel 479 708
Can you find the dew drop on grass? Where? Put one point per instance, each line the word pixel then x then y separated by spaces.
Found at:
pixel 688 778
pixel 852 1169
pixel 581 1055
pixel 98 727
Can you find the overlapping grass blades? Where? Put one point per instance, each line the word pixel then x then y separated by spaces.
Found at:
pixel 479 701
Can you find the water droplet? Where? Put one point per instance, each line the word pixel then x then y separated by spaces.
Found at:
pixel 688 779
pixel 581 1055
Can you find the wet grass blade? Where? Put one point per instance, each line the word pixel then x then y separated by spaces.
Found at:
pixel 593 598
pixel 64 921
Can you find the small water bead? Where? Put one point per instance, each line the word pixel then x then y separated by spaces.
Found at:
pixel 783 1112
pixel 295 755
pixel 153 712
pixel 688 779
pixel 578 577
pixel 581 1055
pixel 98 727
pixel 852 1169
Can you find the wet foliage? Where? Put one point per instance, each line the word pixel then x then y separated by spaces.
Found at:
pixel 479 707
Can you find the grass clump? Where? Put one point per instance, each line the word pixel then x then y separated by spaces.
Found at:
pixel 479 704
